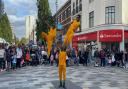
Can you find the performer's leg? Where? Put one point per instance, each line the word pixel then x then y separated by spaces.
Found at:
pixel 49 47
pixel 60 75
pixel 64 76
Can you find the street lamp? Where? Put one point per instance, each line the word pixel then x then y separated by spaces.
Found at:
pixel 56 5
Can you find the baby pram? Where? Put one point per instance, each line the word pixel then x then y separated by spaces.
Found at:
pixel 44 58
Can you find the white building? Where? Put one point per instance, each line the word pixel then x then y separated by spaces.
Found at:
pixel 30 28
pixel 103 23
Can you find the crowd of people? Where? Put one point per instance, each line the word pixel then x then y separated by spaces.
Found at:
pixel 14 57
pixel 104 57
pixel 100 58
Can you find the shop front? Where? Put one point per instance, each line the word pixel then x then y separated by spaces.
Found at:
pixel 83 40
pixel 111 39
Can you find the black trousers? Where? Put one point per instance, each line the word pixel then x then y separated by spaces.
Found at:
pixel 85 62
pixel 1 63
pixel 18 64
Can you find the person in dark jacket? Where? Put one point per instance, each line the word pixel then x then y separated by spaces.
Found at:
pixel 117 58
pixel 121 58
pixel 102 57
pixel 8 57
pixel 85 56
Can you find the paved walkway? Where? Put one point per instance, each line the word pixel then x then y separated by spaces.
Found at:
pixel 44 77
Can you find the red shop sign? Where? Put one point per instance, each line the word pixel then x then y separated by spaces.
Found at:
pixel 75 39
pixel 110 35
pixel 88 36
pixel 125 34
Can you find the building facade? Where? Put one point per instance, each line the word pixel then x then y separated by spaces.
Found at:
pixel 63 17
pixel 103 24
pixel 30 28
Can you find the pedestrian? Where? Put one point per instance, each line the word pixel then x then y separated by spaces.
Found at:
pixel 19 56
pixel 27 57
pixel 126 59
pixel 51 59
pixel 117 58
pixel 8 57
pixel 2 57
pixel 113 60
pixel 102 57
pixel 57 58
pixel 85 55
pixel 62 67
pixel 14 59
pixel 120 60
pixel 96 58
pixel 77 58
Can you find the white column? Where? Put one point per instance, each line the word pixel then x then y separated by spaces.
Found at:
pixel 122 43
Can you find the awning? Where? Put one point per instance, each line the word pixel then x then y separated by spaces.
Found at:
pixel 86 37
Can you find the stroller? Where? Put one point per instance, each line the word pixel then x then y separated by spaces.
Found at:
pixel 34 58
pixel 44 58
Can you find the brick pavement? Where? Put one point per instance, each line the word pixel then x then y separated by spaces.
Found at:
pixel 78 77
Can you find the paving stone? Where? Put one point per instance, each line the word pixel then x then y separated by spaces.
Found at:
pixel 78 77
pixel 68 84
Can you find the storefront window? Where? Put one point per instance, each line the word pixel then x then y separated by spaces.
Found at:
pixel 113 47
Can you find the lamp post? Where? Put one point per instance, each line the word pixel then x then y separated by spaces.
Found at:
pixel 56 5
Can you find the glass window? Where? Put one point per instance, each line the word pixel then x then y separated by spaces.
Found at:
pixel 90 1
pixel 77 9
pixel 110 15
pixel 73 12
pixel 80 5
pixel 91 19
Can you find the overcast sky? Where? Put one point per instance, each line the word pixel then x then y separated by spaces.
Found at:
pixel 17 10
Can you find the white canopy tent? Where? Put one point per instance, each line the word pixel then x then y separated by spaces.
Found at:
pixel 2 40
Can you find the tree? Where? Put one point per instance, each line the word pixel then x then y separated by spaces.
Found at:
pixel 5 28
pixel 1 8
pixel 17 41
pixel 23 40
pixel 44 14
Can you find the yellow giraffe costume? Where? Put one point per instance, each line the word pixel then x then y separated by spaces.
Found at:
pixel 62 55
pixel 50 37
